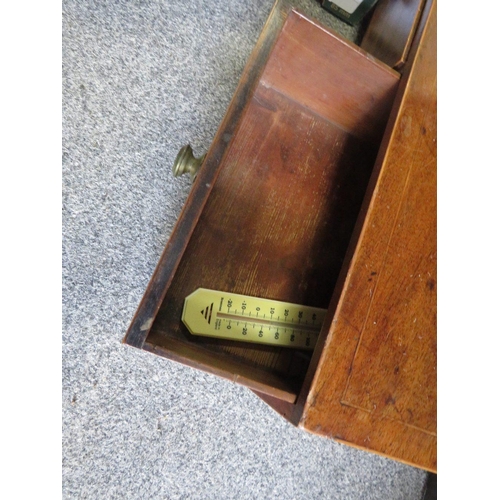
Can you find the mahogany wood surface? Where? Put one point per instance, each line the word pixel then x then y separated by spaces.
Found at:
pixel 224 366
pixel 391 29
pixel 375 384
pixel 277 223
pixel 332 77
pixel 272 214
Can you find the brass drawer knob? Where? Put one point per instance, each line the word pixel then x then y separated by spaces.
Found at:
pixel 186 163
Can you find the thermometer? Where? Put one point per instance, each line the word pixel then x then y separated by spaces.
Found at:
pixel 232 316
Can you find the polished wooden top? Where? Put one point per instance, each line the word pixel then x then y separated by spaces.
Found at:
pixel 375 384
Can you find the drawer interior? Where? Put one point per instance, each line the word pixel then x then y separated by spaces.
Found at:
pixel 280 202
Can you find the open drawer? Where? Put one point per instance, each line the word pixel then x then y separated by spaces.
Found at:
pixel 273 207
pixel 319 189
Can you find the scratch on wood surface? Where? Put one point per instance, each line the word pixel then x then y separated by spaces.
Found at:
pixel 382 269
pixel 350 324
pixel 147 325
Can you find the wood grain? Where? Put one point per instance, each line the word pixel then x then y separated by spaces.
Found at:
pixel 277 223
pixel 332 77
pixel 390 32
pixel 375 384
pixel 228 367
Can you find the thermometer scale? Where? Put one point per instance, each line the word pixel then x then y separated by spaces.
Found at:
pixel 232 316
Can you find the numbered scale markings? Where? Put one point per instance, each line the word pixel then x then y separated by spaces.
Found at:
pixel 232 316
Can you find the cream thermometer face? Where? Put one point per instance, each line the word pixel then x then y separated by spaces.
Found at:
pixel 233 316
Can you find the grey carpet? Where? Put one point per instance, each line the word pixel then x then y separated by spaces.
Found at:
pixel 141 79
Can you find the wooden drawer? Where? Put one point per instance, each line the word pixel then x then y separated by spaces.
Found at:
pixel 274 207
